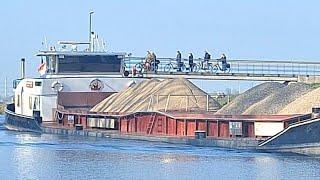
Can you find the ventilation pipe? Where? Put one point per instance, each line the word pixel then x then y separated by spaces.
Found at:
pixel 23 68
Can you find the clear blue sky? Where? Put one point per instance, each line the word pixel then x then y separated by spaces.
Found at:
pixel 245 29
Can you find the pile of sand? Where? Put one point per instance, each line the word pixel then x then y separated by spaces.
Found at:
pixel 150 95
pixel 304 104
pixel 275 102
pixel 242 102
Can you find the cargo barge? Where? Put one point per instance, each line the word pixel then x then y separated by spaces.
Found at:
pixel 71 82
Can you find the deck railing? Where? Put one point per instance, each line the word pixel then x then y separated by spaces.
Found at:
pixel 261 67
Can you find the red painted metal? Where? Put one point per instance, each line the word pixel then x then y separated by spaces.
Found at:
pixel 157 123
pixel 248 129
pixel 180 127
pixel 223 129
pixel 171 126
pixel 181 124
pixel 191 127
pixel 160 125
pixel 213 129
pixel 201 125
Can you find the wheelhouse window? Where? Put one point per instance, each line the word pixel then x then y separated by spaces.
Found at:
pixel 91 63
pixel 51 64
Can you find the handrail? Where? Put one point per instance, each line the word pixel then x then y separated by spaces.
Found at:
pixel 242 66
pixel 235 60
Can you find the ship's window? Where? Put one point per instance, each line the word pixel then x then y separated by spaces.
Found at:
pixel 109 63
pixel 51 64
pixel 37 83
pixel 36 103
pixel 30 102
pixel 18 100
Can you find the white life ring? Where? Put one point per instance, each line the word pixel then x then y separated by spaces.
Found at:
pixel 57 86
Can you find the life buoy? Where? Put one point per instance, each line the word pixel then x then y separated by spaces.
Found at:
pixel 58 116
pixel 57 86
pixel 96 85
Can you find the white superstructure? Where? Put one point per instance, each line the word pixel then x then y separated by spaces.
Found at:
pixel 74 72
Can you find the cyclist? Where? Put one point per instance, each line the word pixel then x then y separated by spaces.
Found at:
pixel 148 60
pixel 178 59
pixel 224 63
pixel 207 57
pixel 191 65
pixel 154 62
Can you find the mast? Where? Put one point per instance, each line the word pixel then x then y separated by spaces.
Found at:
pixel 5 89
pixel 90 30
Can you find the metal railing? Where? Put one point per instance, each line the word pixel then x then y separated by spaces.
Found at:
pixel 259 67
pixel 179 102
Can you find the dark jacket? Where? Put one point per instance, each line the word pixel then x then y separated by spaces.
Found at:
pixel 207 56
pixel 191 59
pixel 178 57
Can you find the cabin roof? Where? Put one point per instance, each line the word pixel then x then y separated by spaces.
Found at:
pixel 79 53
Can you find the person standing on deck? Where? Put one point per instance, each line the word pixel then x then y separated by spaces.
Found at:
pixel 191 62
pixel 178 59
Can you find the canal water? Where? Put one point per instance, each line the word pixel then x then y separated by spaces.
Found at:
pixel 42 156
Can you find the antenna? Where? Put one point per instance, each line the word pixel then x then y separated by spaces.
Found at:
pixel 45 42
pixel 90 29
pixel 5 89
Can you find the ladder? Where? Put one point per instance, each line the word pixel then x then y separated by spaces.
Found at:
pixel 151 123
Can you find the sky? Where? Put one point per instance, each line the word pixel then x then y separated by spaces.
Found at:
pixel 246 29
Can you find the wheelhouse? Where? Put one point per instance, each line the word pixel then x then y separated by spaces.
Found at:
pixel 53 62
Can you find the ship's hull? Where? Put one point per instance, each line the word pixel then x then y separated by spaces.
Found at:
pixel 300 138
pixel 19 122
pixel 309 143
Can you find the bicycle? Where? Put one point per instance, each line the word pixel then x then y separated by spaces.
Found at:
pixel 195 67
pixel 206 66
pixel 143 67
pixel 224 69
pixel 171 66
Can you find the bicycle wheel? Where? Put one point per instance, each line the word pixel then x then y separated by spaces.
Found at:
pixel 196 68
pixel 167 68
pixel 183 68
pixel 139 67
pixel 214 69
